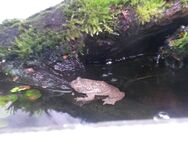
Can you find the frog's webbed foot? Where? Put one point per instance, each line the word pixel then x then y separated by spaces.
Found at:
pixel 110 101
pixel 81 103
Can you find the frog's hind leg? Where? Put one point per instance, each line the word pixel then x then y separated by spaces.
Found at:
pixel 85 99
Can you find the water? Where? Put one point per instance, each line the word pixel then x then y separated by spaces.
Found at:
pixel 151 92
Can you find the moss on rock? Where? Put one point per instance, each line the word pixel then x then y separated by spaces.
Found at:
pixel 80 18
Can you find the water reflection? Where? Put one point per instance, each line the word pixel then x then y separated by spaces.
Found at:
pixel 25 111
pixel 50 118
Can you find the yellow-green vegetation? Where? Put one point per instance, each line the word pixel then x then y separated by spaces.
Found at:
pixel 4 52
pixel 90 17
pixel 7 98
pixel 27 100
pixel 32 94
pixel 150 9
pixel 95 16
pixel 176 49
pixel 32 42
pixel 179 46
pixel 184 2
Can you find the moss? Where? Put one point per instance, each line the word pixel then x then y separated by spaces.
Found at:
pixel 31 42
pixel 4 52
pixel 180 46
pixel 149 10
pixel 184 2
pixel 95 16
pixel 92 17
pixel 177 45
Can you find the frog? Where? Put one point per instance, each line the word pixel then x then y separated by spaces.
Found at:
pixel 92 88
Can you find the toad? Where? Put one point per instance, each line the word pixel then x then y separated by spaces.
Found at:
pixel 94 88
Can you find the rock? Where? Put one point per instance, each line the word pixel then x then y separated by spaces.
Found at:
pixel 8 35
pixel 51 18
pixel 56 75
pixel 70 67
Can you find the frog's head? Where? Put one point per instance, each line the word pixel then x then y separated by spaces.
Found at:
pixel 76 84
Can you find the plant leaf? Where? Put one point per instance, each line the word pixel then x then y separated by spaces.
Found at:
pixel 20 88
pixel 7 98
pixel 32 94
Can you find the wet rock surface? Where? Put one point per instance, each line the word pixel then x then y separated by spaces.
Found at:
pixel 51 18
pixel 67 68
pixel 7 35
pixel 46 74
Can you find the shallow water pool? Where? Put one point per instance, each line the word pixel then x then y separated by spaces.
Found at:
pixel 151 92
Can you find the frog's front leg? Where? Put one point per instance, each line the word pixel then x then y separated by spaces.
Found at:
pixel 89 97
pixel 110 101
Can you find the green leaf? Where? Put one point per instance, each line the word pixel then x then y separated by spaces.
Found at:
pixel 32 94
pixel 15 89
pixel 7 98
pixel 19 88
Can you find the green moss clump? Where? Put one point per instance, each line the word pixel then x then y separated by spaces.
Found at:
pixel 150 9
pixel 91 17
pixel 32 42
pixel 95 16
pixel 176 49
pixel 184 2
pixel 4 52
pixel 180 46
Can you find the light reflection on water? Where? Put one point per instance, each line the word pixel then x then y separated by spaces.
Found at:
pixel 51 118
pixel 21 119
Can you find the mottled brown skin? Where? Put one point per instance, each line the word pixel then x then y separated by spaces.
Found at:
pixel 94 88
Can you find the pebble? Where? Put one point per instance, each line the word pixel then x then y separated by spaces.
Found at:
pixel 161 116
pixel 104 75
pixel 114 80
